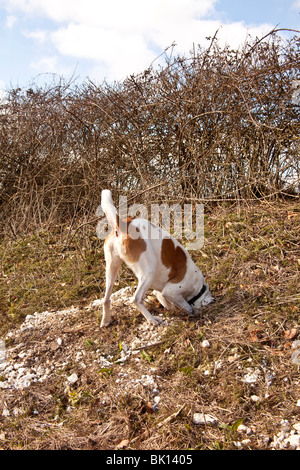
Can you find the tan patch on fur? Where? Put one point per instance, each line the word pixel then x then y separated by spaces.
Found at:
pixel 173 258
pixel 123 224
pixel 134 247
pixel 109 236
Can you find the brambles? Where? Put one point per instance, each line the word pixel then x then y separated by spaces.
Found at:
pixel 217 124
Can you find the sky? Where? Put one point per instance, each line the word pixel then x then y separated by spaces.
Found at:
pixel 111 39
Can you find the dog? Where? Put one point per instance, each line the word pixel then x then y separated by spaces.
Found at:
pixel 157 259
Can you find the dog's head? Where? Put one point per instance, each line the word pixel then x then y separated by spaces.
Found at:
pixel 205 299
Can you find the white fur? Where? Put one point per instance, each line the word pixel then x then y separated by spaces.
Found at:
pixel 149 268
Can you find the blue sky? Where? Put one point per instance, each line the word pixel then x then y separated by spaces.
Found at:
pixel 108 40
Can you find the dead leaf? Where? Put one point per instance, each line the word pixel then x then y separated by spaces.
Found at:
pixel 232 358
pixel 256 271
pixel 122 444
pixel 274 352
pixel 253 338
pixel 290 334
pixel 252 335
pixel 149 408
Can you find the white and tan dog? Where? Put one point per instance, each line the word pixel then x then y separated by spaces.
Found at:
pixel 158 261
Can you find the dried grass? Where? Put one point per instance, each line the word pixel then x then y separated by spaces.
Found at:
pixel 251 260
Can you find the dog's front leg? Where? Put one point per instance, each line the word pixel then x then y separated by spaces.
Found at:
pixel 172 294
pixel 138 300
pixel 163 301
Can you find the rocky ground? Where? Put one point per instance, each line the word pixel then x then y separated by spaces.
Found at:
pixel 226 379
pixel 55 354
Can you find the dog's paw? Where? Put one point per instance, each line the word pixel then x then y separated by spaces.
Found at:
pixel 156 321
pixel 105 323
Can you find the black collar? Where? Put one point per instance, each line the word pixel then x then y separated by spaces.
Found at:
pixel 196 297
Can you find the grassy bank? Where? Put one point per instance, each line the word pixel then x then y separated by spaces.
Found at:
pixel 251 260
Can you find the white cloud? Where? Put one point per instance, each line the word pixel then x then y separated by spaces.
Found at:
pixel 235 34
pixel 10 21
pixel 49 63
pixel 124 36
pixel 118 52
pixel 113 12
pixel 38 35
pixel 3 92
pixel 52 64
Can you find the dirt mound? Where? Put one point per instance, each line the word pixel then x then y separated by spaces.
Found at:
pixel 62 353
pixel 66 383
pixel 226 379
pixel 49 342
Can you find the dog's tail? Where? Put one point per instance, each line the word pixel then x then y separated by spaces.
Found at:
pixel 109 209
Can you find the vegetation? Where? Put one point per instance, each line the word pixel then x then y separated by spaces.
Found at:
pixel 251 260
pixel 218 127
pixel 218 124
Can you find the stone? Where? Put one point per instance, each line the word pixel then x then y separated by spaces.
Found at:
pixel 5 413
pixel 244 429
pixel 252 376
pixel 73 378
pixel 255 398
pixel 297 427
pixel 203 419
pixel 296 357
pixel 293 441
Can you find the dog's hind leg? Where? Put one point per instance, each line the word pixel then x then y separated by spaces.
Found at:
pixel 112 268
